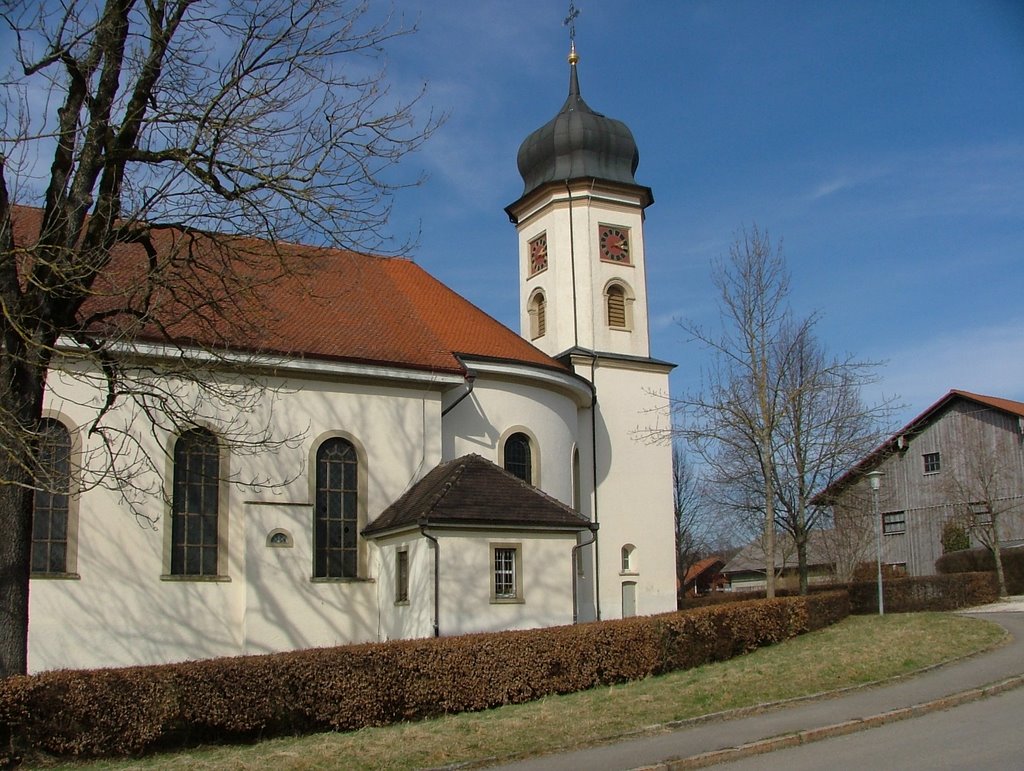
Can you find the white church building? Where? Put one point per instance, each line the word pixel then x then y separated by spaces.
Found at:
pixel 450 476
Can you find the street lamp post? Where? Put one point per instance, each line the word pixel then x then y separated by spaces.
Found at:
pixel 875 478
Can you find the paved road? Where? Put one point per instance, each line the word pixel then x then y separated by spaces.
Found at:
pixel 1005 663
pixel 984 734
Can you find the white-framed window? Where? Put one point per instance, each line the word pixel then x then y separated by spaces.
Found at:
pixel 402 576
pixel 894 522
pixel 932 462
pixel 506 572
pixel 628 558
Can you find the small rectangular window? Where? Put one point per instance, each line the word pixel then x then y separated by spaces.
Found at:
pixel 931 463
pixel 894 522
pixel 506 573
pixel 402 576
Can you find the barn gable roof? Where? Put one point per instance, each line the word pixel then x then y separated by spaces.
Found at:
pixel 915 426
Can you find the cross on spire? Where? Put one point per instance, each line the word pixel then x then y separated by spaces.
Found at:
pixel 570 22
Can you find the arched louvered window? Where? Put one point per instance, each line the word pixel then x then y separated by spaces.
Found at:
pixel 51 503
pixel 195 516
pixel 519 457
pixel 538 316
pixel 616 307
pixel 336 514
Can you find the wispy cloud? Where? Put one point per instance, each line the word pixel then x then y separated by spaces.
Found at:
pixel 985 359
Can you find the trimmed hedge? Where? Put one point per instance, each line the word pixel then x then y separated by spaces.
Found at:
pixel 128 711
pixel 907 595
pixel 981 559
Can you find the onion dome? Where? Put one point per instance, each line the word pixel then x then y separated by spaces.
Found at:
pixel 578 142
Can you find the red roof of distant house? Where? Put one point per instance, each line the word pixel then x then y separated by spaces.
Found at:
pixel 914 426
pixel 711 563
pixel 338 305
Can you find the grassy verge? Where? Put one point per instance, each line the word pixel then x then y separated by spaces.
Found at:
pixel 858 650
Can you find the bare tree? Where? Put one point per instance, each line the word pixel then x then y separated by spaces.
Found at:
pixel 735 415
pixel 981 488
pixel 143 145
pixel 693 525
pixel 825 427
pixel 777 419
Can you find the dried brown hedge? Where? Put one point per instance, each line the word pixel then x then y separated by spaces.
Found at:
pixel 131 710
pixel 981 559
pixel 907 595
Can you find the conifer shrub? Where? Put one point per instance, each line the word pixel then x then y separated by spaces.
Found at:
pixel 88 713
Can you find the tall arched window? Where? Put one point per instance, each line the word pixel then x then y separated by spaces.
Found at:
pixel 51 504
pixel 538 315
pixel 195 525
pixel 617 307
pixel 336 513
pixel 519 457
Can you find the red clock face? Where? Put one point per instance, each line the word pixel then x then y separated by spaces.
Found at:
pixel 539 254
pixel 614 243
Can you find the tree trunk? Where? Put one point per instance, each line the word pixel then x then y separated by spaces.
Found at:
pixel 15 556
pixel 21 402
pixel 801 560
pixel 769 537
pixel 998 556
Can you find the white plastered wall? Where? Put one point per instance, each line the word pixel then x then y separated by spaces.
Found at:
pixel 498 407
pixel 121 611
pixel 634 488
pixel 466 574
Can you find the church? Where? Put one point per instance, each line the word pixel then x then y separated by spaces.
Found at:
pixel 445 474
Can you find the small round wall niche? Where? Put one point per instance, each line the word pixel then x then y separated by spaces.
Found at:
pixel 279 538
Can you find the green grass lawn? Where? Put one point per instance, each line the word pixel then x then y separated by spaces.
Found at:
pixel 858 650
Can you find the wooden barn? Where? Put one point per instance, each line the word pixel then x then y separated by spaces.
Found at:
pixel 954 473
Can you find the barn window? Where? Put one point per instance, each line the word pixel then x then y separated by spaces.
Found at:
pixel 932 463
pixel 894 522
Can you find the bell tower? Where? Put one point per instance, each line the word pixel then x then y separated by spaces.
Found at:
pixel 582 269
pixel 583 300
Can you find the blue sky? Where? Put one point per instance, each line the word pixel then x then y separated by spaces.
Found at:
pixel 883 142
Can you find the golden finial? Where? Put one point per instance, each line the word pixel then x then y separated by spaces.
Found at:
pixel 573 56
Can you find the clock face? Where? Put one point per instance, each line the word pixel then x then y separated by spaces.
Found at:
pixel 539 254
pixel 614 243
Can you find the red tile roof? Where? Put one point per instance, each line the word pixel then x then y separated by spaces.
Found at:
pixel 305 302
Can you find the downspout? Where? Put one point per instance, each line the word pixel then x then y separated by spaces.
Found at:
pixel 593 460
pixel 437 575
pixel 470 382
pixel 575 562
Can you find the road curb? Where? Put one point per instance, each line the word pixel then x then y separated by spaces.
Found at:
pixel 809 735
